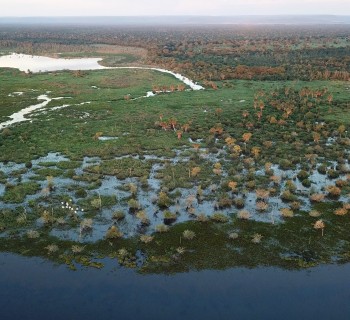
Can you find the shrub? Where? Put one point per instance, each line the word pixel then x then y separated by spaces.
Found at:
pixel 239 203
pixel 225 202
pixel 118 215
pixel 163 200
pixel 287 213
pixel 314 213
pixel 113 233
pixel 302 175
pixel 219 217
pixel 322 169
pixel 332 174
pixel 188 234
pixel 341 183
pixel 51 248
pixel 81 193
pixel 161 228
pixel 288 196
pixel 333 191
pixel 233 235
pixel 306 183
pixel 291 186
pixel 262 206
pixel 285 164
pixel 29 164
pixel 133 205
pixel 142 216
pixel 86 225
pixel 33 234
pixel 257 238
pixel 275 179
pixel 340 212
pixel 262 194
pixel 295 205
pixel 169 217
pixel 243 214
pixel 317 197
pixel 77 249
pixel 251 184
pixel 146 238
pixel 202 217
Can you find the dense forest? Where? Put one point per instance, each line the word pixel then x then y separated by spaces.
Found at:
pixel 206 53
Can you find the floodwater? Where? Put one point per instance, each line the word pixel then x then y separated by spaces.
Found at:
pixel 20 115
pixel 32 288
pixel 35 64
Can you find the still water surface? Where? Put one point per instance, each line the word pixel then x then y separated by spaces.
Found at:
pixel 31 288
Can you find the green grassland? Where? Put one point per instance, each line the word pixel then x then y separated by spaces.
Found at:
pixel 110 114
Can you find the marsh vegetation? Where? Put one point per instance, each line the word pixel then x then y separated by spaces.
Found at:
pixel 243 173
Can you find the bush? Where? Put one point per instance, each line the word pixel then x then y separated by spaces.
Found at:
pixel 188 234
pixel 29 165
pixel 113 233
pixel 288 196
pixel 285 164
pixel 219 217
pixel 322 169
pixel 302 175
pixel 81 193
pixel 332 174
pixel 306 183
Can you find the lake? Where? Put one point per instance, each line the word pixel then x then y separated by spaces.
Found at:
pixel 36 64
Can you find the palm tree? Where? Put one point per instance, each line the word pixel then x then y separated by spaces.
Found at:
pixel 255 151
pixel 319 224
pixel 246 137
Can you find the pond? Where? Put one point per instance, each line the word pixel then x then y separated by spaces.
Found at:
pixel 35 64
pixel 35 289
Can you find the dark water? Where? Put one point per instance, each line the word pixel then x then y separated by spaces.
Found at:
pixel 31 288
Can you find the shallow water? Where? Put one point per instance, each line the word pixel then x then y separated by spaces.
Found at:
pixel 131 225
pixel 20 115
pixel 35 64
pixel 26 63
pixel 32 288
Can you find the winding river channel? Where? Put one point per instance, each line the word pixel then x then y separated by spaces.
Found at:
pixel 37 64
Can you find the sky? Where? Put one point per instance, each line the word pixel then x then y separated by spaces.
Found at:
pixel 25 8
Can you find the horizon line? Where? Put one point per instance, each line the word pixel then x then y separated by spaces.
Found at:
pixel 185 15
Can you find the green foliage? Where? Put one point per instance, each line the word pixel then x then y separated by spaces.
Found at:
pixel 17 193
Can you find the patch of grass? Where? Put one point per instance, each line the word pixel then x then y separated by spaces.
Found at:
pixel 17 193
pixel 122 168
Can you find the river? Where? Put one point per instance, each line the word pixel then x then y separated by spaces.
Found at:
pixel 32 288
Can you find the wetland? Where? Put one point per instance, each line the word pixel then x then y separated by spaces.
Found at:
pixel 123 163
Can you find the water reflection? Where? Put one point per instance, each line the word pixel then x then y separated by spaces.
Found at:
pixel 34 289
